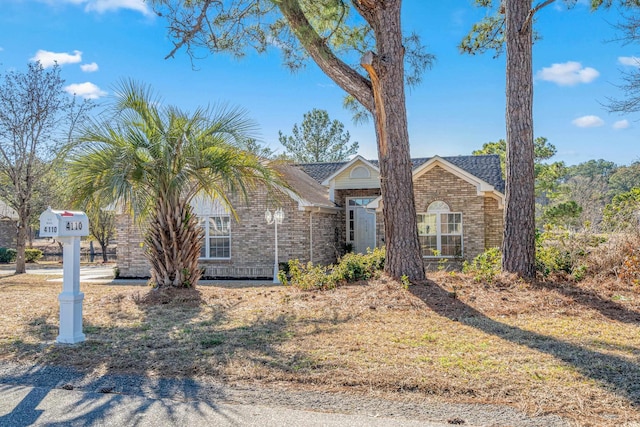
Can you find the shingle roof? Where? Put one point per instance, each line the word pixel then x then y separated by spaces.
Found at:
pixel 321 171
pixel 305 186
pixel 486 167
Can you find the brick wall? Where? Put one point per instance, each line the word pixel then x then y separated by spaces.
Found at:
pixel 252 240
pixel 326 245
pixel 481 216
pixel 130 250
pixel 494 223
pixel 320 235
pixel 438 184
pixel 7 233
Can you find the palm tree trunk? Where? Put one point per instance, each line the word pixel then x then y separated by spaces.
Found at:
pixel 173 244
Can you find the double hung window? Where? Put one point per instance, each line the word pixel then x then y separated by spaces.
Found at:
pixel 217 237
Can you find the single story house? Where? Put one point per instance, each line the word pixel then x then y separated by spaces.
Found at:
pixel 8 226
pixel 330 208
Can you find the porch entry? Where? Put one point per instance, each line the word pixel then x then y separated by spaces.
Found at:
pixel 361 224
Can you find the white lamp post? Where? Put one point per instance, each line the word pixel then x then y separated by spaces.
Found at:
pixel 276 218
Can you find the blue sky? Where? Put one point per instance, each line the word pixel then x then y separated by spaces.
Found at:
pixel 458 107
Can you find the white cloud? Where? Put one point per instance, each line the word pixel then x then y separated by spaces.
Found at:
pixel 47 59
pixel 89 68
pixel 621 124
pixel 86 90
pixel 102 6
pixel 568 74
pixel 588 122
pixel 633 61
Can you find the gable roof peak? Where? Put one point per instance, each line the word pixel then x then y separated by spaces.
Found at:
pixel 485 167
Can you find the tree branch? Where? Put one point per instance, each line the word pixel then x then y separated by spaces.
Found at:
pixel 186 38
pixel 344 76
pixel 527 22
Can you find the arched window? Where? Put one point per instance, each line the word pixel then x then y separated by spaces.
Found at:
pixel 438 206
pixel 440 231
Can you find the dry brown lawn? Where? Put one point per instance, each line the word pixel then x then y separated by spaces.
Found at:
pixel 571 349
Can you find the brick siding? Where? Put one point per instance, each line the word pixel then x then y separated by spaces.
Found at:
pixel 130 250
pixel 252 240
pixel 494 223
pixel 481 216
pixel 7 233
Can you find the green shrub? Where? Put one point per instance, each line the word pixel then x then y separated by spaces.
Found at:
pixel 559 251
pixel 306 277
pixel 32 255
pixel 355 267
pixel 579 272
pixel 553 259
pixel 622 213
pixel 351 268
pixel 7 255
pixel 485 267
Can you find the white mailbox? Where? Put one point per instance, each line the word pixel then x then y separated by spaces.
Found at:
pixel 67 227
pixel 54 223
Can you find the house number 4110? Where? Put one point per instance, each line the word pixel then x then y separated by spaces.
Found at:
pixel 74 225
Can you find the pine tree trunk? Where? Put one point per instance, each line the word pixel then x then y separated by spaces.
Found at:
pixel 386 70
pixel 383 96
pixel 518 247
pixel 173 245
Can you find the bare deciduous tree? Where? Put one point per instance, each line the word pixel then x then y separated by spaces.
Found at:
pixel 36 118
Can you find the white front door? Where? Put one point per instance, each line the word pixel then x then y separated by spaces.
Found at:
pixel 361 225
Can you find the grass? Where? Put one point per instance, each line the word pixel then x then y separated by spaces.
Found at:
pixel 548 347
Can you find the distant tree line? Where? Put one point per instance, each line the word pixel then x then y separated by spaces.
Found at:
pixel 596 194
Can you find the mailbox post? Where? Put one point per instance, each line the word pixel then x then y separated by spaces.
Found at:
pixel 68 227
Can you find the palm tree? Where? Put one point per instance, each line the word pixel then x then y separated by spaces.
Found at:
pixel 152 160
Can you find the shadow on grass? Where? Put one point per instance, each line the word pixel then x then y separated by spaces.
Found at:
pixel 592 300
pixel 617 374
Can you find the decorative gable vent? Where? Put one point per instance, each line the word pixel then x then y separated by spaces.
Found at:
pixel 360 172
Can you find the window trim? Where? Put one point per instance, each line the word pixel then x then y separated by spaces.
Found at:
pixel 207 237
